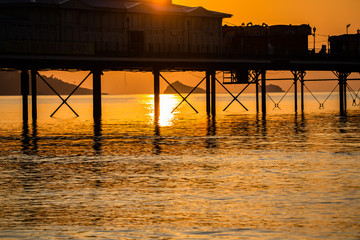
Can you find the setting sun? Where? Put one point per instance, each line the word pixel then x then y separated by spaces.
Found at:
pixel 158 1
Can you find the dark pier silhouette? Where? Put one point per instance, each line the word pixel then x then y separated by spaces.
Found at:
pixel 122 35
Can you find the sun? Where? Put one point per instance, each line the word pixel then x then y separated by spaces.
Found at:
pixel 160 2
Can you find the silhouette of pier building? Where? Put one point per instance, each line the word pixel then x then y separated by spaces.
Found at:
pixel 109 28
pixel 149 35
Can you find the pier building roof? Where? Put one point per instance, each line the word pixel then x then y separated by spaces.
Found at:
pixel 135 6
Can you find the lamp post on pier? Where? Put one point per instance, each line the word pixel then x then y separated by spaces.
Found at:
pixel 314 31
pixel 347 29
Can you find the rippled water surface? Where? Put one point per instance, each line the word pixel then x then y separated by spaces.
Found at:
pixel 236 176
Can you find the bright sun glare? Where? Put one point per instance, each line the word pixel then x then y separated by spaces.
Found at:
pixel 160 1
pixel 167 104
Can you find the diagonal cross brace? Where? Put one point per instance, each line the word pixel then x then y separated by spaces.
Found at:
pixel 235 98
pixel 64 101
pixel 184 99
pixel 278 103
pixel 354 95
pixel 321 107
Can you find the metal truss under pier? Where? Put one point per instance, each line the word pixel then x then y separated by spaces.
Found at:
pixel 255 69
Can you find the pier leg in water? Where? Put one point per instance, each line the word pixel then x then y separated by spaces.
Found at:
pixel 156 73
pixel 213 93
pixel 25 138
pixel 257 96
pixel 211 131
pixel 298 75
pixel 33 95
pixel 97 136
pixel 295 92
pixel 345 93
pixel 25 93
pixel 157 139
pixel 302 76
pixel 342 76
pixel 208 91
pixel 341 96
pixel 97 93
pixel 34 137
pixel 263 92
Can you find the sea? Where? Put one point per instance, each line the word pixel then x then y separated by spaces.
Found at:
pixel 238 175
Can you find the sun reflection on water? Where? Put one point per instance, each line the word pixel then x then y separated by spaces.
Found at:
pixel 167 104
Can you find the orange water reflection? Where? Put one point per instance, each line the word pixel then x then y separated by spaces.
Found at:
pixel 233 177
pixel 184 197
pixel 167 104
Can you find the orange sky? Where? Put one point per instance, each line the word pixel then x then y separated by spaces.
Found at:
pixel 330 17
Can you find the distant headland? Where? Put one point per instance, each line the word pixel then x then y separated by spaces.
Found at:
pixel 182 88
pixel 272 88
pixel 10 85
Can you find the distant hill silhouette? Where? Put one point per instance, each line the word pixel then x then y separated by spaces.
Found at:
pixel 182 88
pixel 10 85
pixel 272 88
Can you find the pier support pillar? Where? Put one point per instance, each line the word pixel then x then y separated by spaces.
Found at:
pixel 302 76
pixel 213 93
pixel 257 95
pixel 97 136
pixel 263 92
pixel 208 92
pixel 295 94
pixel 156 74
pixel 341 96
pixel 345 93
pixel 25 94
pixel 342 76
pixel 33 95
pixel 298 76
pixel 97 93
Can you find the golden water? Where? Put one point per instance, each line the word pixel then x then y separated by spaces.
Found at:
pixel 237 176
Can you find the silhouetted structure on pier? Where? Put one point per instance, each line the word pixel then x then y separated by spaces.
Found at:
pixel 108 28
pixel 98 35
